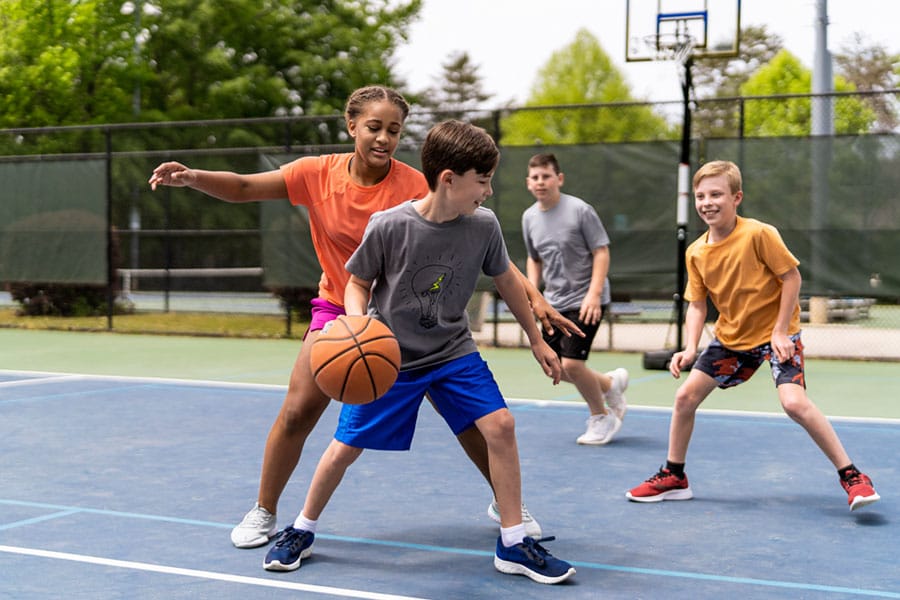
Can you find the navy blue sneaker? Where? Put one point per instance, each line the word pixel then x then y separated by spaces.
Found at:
pixel 291 546
pixel 532 560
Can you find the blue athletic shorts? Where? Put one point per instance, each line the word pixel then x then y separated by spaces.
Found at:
pixel 463 390
pixel 731 367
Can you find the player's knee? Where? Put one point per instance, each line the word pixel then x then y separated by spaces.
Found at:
pixel 687 399
pixel 299 415
pixel 796 406
pixel 341 455
pixel 499 425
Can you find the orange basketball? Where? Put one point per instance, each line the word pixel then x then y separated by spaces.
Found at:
pixel 357 360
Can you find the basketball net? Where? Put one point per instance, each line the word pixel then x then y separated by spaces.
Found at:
pixel 676 47
pixel 670 46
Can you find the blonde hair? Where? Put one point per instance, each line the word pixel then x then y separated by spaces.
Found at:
pixel 720 167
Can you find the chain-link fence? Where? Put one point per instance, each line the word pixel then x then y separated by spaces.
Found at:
pixel 75 205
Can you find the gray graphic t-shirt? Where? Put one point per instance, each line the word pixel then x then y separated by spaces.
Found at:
pixel 425 274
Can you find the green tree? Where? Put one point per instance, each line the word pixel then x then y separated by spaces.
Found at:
pixel 79 62
pixel 64 63
pixel 457 91
pixel 581 73
pixel 717 79
pixel 871 68
pixel 784 74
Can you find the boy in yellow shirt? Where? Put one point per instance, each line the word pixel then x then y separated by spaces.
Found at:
pixel 744 267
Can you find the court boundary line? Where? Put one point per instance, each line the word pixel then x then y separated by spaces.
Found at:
pixel 196 573
pixel 534 402
pixel 64 511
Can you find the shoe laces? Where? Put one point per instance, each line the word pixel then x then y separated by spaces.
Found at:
pixel 291 537
pixel 256 517
pixel 854 477
pixel 535 551
pixel 661 474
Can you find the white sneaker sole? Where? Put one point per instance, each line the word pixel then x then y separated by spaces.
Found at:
pixel 861 501
pixel 277 566
pixel 685 494
pixel 255 542
pixel 514 568
pixel 587 441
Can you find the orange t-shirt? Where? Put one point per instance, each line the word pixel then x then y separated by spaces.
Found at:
pixel 339 209
pixel 741 275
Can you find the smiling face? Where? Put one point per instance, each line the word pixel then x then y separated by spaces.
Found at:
pixel 717 205
pixel 376 132
pixel 469 190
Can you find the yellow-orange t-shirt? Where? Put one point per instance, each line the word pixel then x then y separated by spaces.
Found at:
pixel 339 209
pixel 741 275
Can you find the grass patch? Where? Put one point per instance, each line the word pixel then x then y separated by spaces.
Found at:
pixel 171 323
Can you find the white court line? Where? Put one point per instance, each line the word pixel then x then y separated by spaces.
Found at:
pixel 46 378
pixel 126 564
pixel 154 380
pixel 511 401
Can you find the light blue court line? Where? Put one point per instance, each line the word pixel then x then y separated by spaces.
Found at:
pixel 41 519
pixel 70 510
pixel 802 586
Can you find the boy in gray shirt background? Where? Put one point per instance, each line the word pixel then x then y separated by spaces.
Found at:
pixel 568 247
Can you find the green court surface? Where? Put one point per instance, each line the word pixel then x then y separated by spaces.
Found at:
pixel 839 388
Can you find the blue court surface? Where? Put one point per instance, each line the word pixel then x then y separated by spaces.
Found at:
pixel 128 488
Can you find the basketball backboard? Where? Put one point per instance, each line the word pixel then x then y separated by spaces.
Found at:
pixel 660 29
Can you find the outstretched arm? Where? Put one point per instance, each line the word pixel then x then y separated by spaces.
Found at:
pixel 546 314
pixel 510 287
pixel 224 185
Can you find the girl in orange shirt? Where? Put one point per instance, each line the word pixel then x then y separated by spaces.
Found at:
pixel 340 191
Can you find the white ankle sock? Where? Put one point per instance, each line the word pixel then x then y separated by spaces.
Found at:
pixel 512 535
pixel 305 524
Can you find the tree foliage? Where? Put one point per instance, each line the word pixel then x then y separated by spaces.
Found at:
pixel 871 68
pixel 64 63
pixel 581 73
pixel 784 74
pixel 457 90
pixel 722 77
pixel 75 62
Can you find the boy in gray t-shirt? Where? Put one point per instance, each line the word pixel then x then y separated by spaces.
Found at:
pixel 415 270
pixel 568 247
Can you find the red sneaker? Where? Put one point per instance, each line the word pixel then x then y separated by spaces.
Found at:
pixel 665 485
pixel 859 489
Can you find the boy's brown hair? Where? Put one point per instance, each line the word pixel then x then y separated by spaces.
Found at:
pixel 544 160
pixel 459 147
pixel 720 167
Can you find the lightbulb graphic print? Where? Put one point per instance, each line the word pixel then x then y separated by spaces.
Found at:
pixel 429 285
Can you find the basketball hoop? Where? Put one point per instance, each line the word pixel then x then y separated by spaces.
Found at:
pixel 670 46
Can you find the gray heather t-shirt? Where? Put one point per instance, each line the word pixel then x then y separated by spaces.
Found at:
pixel 424 275
pixel 564 239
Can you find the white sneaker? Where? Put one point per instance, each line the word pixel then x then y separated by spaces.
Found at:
pixel 600 429
pixel 532 527
pixel 615 396
pixel 256 528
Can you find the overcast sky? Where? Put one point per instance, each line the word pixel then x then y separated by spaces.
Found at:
pixel 510 40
